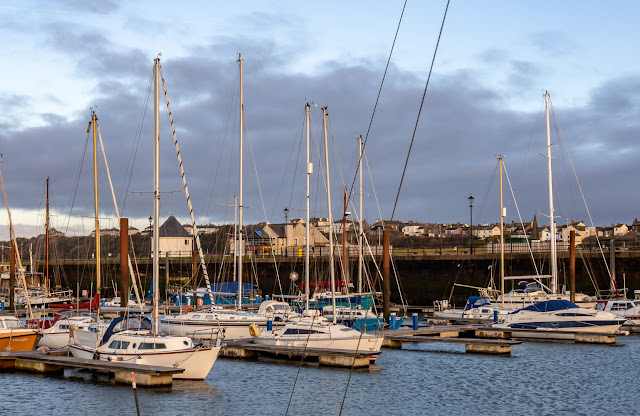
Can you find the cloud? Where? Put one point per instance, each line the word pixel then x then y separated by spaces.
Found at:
pixel 464 125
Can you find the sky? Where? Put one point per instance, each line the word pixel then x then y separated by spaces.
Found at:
pixel 495 61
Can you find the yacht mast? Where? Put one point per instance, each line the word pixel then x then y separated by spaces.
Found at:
pixel 360 259
pixel 501 236
pixel 240 233
pixel 156 193
pixel 46 243
pixel 554 258
pixel 326 161
pixel 306 245
pixel 94 122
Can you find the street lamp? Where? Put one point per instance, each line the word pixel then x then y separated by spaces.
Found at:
pixel 286 215
pixel 470 199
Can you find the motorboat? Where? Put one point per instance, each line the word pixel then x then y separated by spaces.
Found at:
pixel 560 316
pixel 528 293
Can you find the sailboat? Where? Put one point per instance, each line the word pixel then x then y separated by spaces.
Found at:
pixel 136 338
pixel 203 323
pixel 312 330
pixel 528 293
pixel 555 312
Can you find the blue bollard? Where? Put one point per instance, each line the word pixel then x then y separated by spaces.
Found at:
pixel 415 321
pixel 269 325
pixel 102 302
pixel 266 297
pixel 2 306
pixel 392 321
pixel 495 316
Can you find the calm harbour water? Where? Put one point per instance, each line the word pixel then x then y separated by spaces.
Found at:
pixel 422 379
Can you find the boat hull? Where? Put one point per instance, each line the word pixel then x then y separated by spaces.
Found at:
pixel 18 339
pixel 196 362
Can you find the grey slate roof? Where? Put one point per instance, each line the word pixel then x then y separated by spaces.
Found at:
pixel 172 228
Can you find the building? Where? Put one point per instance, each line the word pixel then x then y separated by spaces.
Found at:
pixel 174 240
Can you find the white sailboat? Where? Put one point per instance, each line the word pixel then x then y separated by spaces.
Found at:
pixel 134 338
pixel 202 323
pixel 536 291
pixel 311 330
pixel 556 312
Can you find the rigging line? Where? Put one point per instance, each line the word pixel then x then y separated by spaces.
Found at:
pixel 366 137
pixel 295 170
pixel 415 128
pixel 194 227
pixel 335 151
pixel 115 204
pixel 264 212
pixel 580 188
pixel 77 183
pixel 486 194
pixel 215 169
pixel 533 260
pixel 133 155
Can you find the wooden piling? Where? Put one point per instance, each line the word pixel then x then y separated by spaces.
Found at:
pixel 124 263
pixel 572 265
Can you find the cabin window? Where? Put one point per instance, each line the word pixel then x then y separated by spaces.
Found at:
pixel 153 346
pixel 196 316
pixel 64 326
pixel 209 317
pixel 298 331
pixel 119 345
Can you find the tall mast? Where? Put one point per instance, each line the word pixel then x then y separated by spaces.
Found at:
pixel 94 122
pixel 46 243
pixel 156 193
pixel 240 191
pixel 360 256
pixel 306 245
pixel 501 236
pixel 326 161
pixel 554 258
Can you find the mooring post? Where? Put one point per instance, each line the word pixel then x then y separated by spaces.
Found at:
pixel 12 276
pixel 572 265
pixel 415 321
pixel 386 275
pixel 135 394
pixel 124 263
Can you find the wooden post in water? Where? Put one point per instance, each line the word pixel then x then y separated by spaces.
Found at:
pixel 166 281
pixel 194 275
pixel 572 265
pixel 12 276
pixel 386 275
pixel 124 262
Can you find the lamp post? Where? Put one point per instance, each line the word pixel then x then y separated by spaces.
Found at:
pixel 286 215
pixel 470 199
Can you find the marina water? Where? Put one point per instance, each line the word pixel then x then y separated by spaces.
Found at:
pixel 422 379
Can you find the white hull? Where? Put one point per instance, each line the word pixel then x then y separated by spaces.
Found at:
pixel 54 340
pixel 197 363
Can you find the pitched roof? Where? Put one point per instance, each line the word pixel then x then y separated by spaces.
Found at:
pixel 172 228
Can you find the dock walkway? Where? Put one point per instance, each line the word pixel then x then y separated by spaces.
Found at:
pixel 328 357
pixel 36 361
